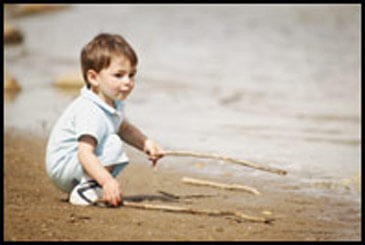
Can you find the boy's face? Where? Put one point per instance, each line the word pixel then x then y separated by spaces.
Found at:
pixel 115 82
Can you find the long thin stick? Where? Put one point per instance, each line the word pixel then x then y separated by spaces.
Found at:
pixel 224 158
pixel 180 209
pixel 174 196
pixel 220 185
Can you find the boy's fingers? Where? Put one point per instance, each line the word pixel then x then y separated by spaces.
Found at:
pixel 112 199
pixel 155 156
pixel 106 198
pixel 116 198
pixel 155 152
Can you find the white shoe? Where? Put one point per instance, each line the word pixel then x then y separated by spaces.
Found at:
pixel 87 192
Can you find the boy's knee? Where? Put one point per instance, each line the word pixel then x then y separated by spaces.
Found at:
pixel 113 142
pixel 112 148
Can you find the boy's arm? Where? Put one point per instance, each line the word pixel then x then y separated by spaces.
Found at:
pixel 96 170
pixel 133 136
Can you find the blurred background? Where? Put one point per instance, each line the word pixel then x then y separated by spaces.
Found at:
pixel 274 84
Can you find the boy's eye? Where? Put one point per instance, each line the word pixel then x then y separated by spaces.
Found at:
pixel 121 75
pixel 118 75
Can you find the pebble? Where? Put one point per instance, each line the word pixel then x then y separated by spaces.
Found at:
pixel 267 212
pixel 12 35
pixel 10 84
pixel 137 222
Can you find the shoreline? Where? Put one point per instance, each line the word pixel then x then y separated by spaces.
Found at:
pixel 38 210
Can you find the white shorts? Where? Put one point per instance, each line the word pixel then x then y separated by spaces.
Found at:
pixel 68 176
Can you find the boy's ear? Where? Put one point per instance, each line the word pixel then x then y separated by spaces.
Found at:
pixel 92 77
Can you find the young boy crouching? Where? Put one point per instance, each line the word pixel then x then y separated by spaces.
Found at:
pixel 85 148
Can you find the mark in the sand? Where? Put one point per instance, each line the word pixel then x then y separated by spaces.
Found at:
pixel 235 97
pixel 141 198
pixel 64 199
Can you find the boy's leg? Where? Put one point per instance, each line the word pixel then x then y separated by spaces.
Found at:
pixel 112 155
pixel 113 158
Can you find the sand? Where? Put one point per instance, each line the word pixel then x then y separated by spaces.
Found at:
pixel 35 210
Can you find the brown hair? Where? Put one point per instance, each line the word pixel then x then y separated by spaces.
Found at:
pixel 97 54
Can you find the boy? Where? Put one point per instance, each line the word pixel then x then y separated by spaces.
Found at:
pixel 84 151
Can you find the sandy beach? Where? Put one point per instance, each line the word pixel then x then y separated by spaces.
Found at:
pixel 35 210
pixel 278 85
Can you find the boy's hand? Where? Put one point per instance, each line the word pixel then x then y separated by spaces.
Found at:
pixel 152 149
pixel 112 192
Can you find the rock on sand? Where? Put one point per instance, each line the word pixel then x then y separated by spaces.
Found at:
pixel 12 35
pixel 10 84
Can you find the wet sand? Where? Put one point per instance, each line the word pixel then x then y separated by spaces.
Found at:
pixel 34 209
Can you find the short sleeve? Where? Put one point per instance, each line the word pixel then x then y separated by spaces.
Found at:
pixel 88 122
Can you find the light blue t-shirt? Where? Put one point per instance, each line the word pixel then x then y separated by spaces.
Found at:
pixel 88 114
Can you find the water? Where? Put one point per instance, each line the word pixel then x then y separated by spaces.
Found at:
pixel 274 84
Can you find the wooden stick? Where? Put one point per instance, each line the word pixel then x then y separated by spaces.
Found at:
pixel 174 196
pixel 220 185
pixel 224 158
pixel 180 209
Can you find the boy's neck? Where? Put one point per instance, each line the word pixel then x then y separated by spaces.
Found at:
pixel 95 90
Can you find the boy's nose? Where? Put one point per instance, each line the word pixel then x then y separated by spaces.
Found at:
pixel 127 82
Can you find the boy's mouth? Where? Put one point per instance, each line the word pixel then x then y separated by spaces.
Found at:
pixel 120 96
